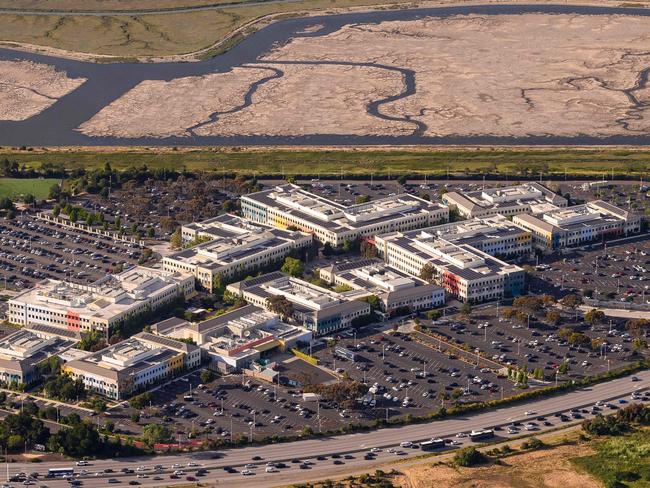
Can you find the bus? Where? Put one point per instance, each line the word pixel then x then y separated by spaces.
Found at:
pixel 60 472
pixel 477 435
pixel 432 444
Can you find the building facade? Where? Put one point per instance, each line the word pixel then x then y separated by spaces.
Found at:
pixel 465 272
pixel 233 247
pixel 507 201
pixel 133 365
pixel 579 225
pixel 237 339
pixel 100 305
pixel 397 291
pixel 320 310
pixel 290 207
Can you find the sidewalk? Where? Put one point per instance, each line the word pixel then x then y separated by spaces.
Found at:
pixel 614 312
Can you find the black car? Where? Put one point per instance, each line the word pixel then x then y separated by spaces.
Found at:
pixel 256 458
pixel 134 482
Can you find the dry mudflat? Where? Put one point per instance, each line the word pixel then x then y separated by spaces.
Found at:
pixel 475 75
pixel 506 75
pixel 157 108
pixel 28 88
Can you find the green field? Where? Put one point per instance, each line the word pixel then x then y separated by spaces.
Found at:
pixel 144 35
pixel 624 459
pixel 13 187
pixel 283 162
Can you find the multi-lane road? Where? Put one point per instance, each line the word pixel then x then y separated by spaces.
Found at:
pixel 354 444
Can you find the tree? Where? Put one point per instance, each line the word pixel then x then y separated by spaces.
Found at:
pixel 571 301
pixel 79 440
pixel 63 387
pixel 176 239
pixel 433 314
pixel 469 456
pixel 428 273
pixel 293 267
pixel 594 317
pixel 553 317
pixel 466 309
pixel 140 401
pixel 401 179
pixel 280 305
pixel 637 327
pixel 156 434
pixel 92 341
pixel 207 376
pixel 374 302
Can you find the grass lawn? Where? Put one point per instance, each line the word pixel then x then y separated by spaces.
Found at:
pixel 39 187
pixel 625 459
pixel 287 162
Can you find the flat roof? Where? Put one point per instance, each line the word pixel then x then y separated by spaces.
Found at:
pixel 328 214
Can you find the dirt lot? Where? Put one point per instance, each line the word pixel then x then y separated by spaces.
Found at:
pixel 506 75
pixel 539 469
pixel 28 88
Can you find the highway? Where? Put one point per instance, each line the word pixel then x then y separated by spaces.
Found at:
pixel 342 444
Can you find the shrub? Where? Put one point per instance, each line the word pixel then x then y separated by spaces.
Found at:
pixel 469 456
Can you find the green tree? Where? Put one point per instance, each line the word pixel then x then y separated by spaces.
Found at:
pixel 207 376
pixel 469 456
pixel 156 434
pixel 293 267
pixel 176 239
pixel 280 305
pixel 594 317
pixel 428 273
pixel 466 309
pixel 140 401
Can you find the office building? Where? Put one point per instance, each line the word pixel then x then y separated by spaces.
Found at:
pixel 133 365
pixel 235 340
pixel 465 272
pixel 290 207
pixel 320 310
pixel 233 247
pixel 580 224
pixel 494 235
pixel 528 197
pixel 397 291
pixel 23 351
pixel 102 304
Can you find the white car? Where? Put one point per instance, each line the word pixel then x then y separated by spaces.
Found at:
pixel 247 472
pixel 82 463
pixel 529 412
pixel 406 444
pixel 375 450
pixel 271 469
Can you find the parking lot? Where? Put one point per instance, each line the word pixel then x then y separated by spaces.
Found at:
pixel 410 375
pixel 32 250
pixel 515 344
pixel 618 272
pixel 231 407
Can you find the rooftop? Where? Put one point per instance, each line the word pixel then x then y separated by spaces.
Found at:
pixel 311 207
